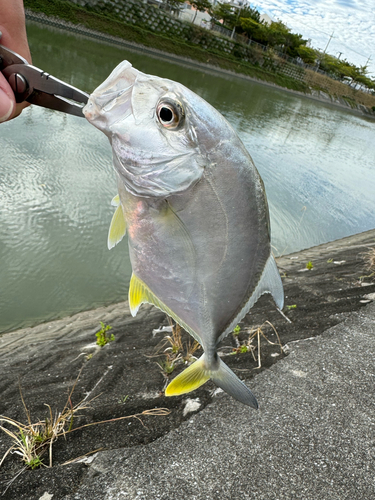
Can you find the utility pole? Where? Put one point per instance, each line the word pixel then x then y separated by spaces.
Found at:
pixel 330 38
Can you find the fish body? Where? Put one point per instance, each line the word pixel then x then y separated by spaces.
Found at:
pixel 195 211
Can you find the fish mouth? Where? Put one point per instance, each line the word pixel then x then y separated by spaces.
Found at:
pixel 111 101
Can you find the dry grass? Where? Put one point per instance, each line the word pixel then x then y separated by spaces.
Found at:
pixel 177 352
pixel 32 441
pixel 339 89
pixel 369 260
pixel 256 333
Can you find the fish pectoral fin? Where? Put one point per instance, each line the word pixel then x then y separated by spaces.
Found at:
pixel 115 202
pixel 117 229
pixel 190 379
pixel 198 373
pixel 139 293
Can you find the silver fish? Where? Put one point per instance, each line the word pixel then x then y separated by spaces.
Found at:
pixel 196 213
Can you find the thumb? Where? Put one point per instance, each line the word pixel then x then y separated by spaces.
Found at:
pixel 7 101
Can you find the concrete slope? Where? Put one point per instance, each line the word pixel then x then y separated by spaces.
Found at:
pixel 313 437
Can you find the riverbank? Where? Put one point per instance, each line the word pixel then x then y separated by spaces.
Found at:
pixel 199 59
pixel 124 376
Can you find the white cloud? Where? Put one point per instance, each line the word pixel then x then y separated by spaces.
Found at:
pixel 352 23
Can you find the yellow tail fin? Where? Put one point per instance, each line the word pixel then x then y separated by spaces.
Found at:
pixel 198 373
pixel 190 379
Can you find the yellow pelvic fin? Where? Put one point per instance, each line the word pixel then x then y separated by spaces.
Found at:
pixel 190 379
pixel 115 202
pixel 139 293
pixel 117 229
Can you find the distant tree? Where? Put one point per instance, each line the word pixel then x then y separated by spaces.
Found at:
pixel 248 12
pixel 231 17
pixel 308 55
pixel 224 12
pixel 255 30
pixel 200 5
pixel 174 5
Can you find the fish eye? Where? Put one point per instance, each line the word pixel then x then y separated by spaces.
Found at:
pixel 170 114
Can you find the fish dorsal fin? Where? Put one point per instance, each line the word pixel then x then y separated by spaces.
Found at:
pixel 139 293
pixel 117 229
pixel 270 282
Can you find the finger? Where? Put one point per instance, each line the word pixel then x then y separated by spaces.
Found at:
pixel 7 101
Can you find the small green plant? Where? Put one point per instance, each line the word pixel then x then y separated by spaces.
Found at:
pixel 236 330
pixel 329 261
pixel 293 306
pixel 248 346
pixel 102 337
pixel 167 366
pixel 309 265
pixel 34 463
pixel 123 399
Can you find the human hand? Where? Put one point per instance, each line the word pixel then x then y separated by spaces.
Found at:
pixel 13 36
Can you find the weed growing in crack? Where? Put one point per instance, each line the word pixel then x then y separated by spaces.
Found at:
pixel 369 258
pixel 102 337
pixel 177 352
pixel 33 442
pixel 248 345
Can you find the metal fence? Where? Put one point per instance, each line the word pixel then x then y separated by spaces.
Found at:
pixel 297 61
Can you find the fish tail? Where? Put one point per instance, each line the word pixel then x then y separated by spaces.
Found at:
pixel 198 373
pixel 190 379
pixel 232 385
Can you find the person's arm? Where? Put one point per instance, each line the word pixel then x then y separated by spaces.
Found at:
pixel 13 29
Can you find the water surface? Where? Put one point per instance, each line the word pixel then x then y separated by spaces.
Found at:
pixel 57 179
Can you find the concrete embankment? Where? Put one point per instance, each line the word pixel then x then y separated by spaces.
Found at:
pixel 313 436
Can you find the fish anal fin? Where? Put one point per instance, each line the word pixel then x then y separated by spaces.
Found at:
pixel 117 229
pixel 139 293
pixel 190 379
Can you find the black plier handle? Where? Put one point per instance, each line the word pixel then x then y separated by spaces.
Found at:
pixel 32 84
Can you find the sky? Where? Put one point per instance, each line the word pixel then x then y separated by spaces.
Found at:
pixel 352 23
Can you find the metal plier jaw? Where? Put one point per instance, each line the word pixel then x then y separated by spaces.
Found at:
pixel 32 84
